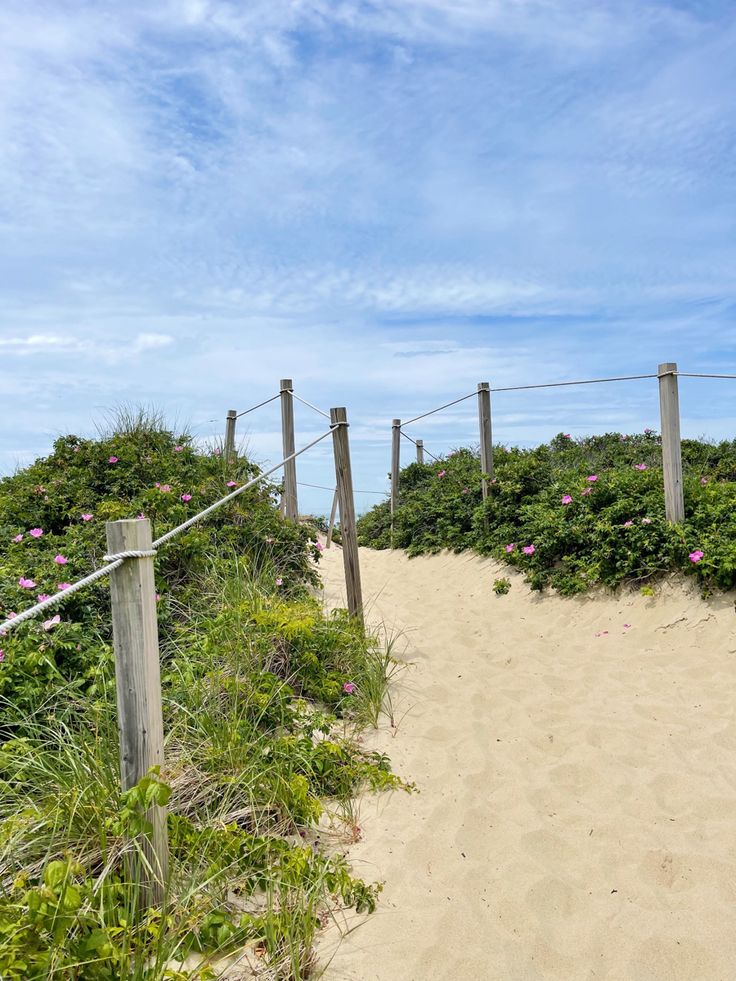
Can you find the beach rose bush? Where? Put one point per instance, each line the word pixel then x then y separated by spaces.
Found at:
pixel 573 513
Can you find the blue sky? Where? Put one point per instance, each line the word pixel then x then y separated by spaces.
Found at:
pixel 387 201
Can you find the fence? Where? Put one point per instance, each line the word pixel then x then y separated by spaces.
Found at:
pixel 130 566
pixel 667 375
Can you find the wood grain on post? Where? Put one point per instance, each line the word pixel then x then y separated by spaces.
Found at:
pixel 420 451
pixel 230 423
pixel 348 530
pixel 291 503
pixel 669 408
pixel 138 685
pixel 333 518
pixel 395 463
pixel 486 443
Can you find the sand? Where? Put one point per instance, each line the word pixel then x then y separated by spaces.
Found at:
pixel 576 814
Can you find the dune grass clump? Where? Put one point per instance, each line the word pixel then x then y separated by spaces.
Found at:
pixel 263 697
pixel 572 514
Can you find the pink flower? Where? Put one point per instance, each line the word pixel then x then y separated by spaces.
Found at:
pixel 18 538
pixel 319 546
pixel 140 516
pixel 157 485
pixel 26 583
pixel 87 517
pixel 112 459
pixel 586 490
pixel 64 585
pixel 232 483
pixel 60 560
pixel 158 597
pixel 442 473
pixel 186 497
pixel 217 451
pixel 36 532
pixel 279 582
pixel 2 656
pixel 510 547
pixel 628 524
pixel 50 624
pixel 646 521
pixel 648 432
pixel 592 479
pixel 566 436
pixel 178 449
pixel 567 499
pixel 640 466
pixel 696 556
pixel 703 481
pixel 348 687
pixel 165 488
pixel 627 626
pixel 528 550
pixel 42 597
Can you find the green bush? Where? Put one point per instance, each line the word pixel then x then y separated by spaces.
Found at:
pixel 572 513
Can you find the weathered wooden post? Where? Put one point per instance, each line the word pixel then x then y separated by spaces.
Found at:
pixel 395 463
pixel 420 451
pixel 333 518
pixel 291 504
pixel 138 685
pixel 486 444
pixel 230 423
pixel 669 408
pixel 348 530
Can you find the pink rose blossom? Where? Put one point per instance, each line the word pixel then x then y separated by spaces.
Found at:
pixel 696 556
pixel 703 481
pixel 18 538
pixel 511 546
pixel 592 478
pixel 50 624
pixel 112 459
pixel 640 466
pixel 186 497
pixel 648 432
pixel 528 550
pixel 232 483
pixel 2 656
pixel 348 687
pixel 165 488
pixel 567 499
pixel 158 597
pixel 36 532
pixel 178 449
pixel 319 546
pixel 60 559
pixel 140 516
pixel 566 436
pixel 42 597
pixel 628 524
pixel 87 517
pixel 442 473
pixel 26 583
pixel 63 585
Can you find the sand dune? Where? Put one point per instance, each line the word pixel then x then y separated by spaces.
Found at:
pixel 576 762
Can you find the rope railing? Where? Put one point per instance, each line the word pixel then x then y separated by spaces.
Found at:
pixel 115 561
pixel 695 374
pixel 584 381
pixel 439 408
pixel 303 483
pixel 260 405
pixel 310 406
pixel 428 452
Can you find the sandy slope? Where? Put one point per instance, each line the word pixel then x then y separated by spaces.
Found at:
pixel 577 813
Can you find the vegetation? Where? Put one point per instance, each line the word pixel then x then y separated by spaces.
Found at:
pixel 264 696
pixel 573 513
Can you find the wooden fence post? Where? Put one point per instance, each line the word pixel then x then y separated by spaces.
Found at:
pixel 230 423
pixel 138 685
pixel 486 444
pixel 420 451
pixel 348 530
pixel 333 518
pixel 669 408
pixel 395 463
pixel 291 503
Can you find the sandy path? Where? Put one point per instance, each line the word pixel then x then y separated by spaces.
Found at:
pixel 577 813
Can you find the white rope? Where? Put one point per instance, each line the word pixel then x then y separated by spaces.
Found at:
pixel 691 374
pixel 115 561
pixel 309 404
pixel 132 553
pixel 438 409
pixel 254 407
pixel 585 381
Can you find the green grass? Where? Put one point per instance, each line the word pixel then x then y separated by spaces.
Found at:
pixel 262 737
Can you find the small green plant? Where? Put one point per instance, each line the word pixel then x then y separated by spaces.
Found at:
pixel 501 587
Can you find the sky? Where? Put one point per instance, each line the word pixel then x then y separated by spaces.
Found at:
pixel 386 201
